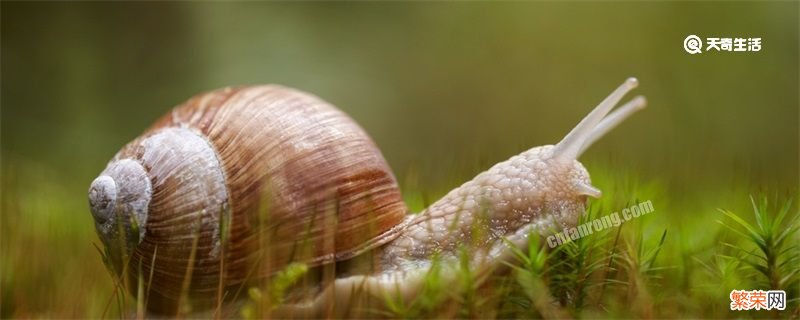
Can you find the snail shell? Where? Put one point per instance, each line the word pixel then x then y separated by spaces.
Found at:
pixel 236 183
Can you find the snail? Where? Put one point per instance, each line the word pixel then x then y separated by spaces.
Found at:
pixel 234 184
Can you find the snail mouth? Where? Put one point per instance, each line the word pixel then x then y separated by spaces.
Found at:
pixel 118 200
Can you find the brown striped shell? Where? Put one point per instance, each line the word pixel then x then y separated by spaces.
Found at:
pixel 242 181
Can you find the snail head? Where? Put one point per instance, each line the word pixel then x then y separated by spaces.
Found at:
pixel 573 184
pixel 547 187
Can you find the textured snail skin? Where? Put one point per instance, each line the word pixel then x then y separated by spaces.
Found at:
pixel 235 184
pixel 540 190
pixel 532 188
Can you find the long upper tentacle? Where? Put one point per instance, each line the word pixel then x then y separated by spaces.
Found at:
pixel 612 120
pixel 570 147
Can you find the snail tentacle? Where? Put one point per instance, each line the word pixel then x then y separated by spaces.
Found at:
pixel 613 120
pixel 570 147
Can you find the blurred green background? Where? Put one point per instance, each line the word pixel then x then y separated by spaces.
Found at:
pixel 445 89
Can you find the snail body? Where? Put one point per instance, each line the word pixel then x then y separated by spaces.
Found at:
pixel 236 183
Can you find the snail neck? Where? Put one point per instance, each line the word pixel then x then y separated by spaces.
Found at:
pixel 530 193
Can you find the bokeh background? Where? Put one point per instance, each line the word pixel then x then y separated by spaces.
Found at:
pixel 445 89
